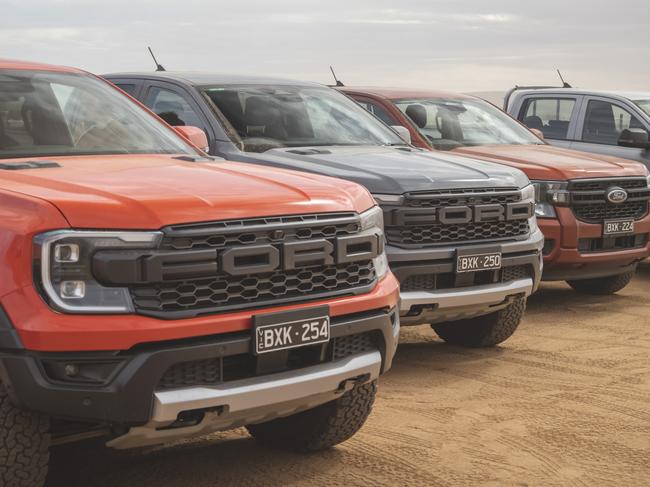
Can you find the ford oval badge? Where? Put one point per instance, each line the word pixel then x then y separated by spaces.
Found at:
pixel 616 195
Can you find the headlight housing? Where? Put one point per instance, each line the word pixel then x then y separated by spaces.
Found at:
pixel 648 178
pixel 63 269
pixel 374 219
pixel 548 195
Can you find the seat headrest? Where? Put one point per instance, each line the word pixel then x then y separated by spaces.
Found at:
pixel 534 122
pixel 417 113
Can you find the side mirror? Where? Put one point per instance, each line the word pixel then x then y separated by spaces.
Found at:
pixel 403 133
pixel 194 135
pixel 538 133
pixel 636 138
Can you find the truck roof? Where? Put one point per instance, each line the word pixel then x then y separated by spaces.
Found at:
pixel 399 93
pixel 208 78
pixel 29 65
pixel 631 95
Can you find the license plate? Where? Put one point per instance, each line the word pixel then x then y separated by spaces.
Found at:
pixel 478 262
pixel 285 330
pixel 618 227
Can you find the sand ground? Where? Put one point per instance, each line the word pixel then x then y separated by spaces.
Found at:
pixel 565 401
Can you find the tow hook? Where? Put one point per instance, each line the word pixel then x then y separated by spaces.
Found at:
pixel 348 384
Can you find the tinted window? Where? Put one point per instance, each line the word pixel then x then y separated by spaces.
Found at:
pixel 550 115
pixel 47 113
pixel 448 123
pixel 267 117
pixel 172 107
pixel 378 111
pixel 128 88
pixel 644 105
pixel 605 121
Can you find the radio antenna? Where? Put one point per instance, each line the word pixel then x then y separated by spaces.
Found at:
pixel 564 83
pixel 338 82
pixel 159 67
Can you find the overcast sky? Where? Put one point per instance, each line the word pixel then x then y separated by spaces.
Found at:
pixel 462 45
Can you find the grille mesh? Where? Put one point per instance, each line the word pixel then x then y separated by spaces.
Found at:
pixel 218 370
pixel 447 280
pixel 436 234
pixel 259 231
pixel 589 201
pixel 352 344
pixel 228 291
pixel 596 213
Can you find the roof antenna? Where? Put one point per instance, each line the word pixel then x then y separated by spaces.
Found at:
pixel 159 67
pixel 338 82
pixel 564 83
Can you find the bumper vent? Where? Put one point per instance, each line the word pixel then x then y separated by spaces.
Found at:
pixel 438 282
pixel 215 371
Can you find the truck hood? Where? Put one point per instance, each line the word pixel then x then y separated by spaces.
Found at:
pixel 151 191
pixel 554 163
pixel 390 170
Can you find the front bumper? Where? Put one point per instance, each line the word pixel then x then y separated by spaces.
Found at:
pixel 564 259
pixel 443 305
pixel 132 399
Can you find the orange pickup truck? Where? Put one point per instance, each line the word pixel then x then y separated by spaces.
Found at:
pixel 592 209
pixel 151 293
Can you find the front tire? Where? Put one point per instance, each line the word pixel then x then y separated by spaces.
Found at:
pixel 319 428
pixel 484 331
pixel 602 286
pixel 24 445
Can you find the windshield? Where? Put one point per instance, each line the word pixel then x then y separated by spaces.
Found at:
pixel 268 117
pixel 447 124
pixel 46 113
pixel 644 105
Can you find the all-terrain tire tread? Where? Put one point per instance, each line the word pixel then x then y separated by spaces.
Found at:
pixel 602 286
pixel 24 445
pixel 322 427
pixel 484 331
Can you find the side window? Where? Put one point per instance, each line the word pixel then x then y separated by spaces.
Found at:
pixel 126 87
pixel 550 115
pixel 379 112
pixel 605 121
pixel 172 107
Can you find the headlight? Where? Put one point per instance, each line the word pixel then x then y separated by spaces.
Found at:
pixel 64 269
pixel 374 219
pixel 648 178
pixel 549 194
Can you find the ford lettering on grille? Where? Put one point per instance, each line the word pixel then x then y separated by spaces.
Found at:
pixel 120 268
pixel 458 215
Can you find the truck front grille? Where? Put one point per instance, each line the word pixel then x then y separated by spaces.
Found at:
pixel 216 267
pixel 409 225
pixel 214 371
pixel 589 202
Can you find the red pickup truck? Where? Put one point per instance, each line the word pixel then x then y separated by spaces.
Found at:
pixel 592 209
pixel 151 293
